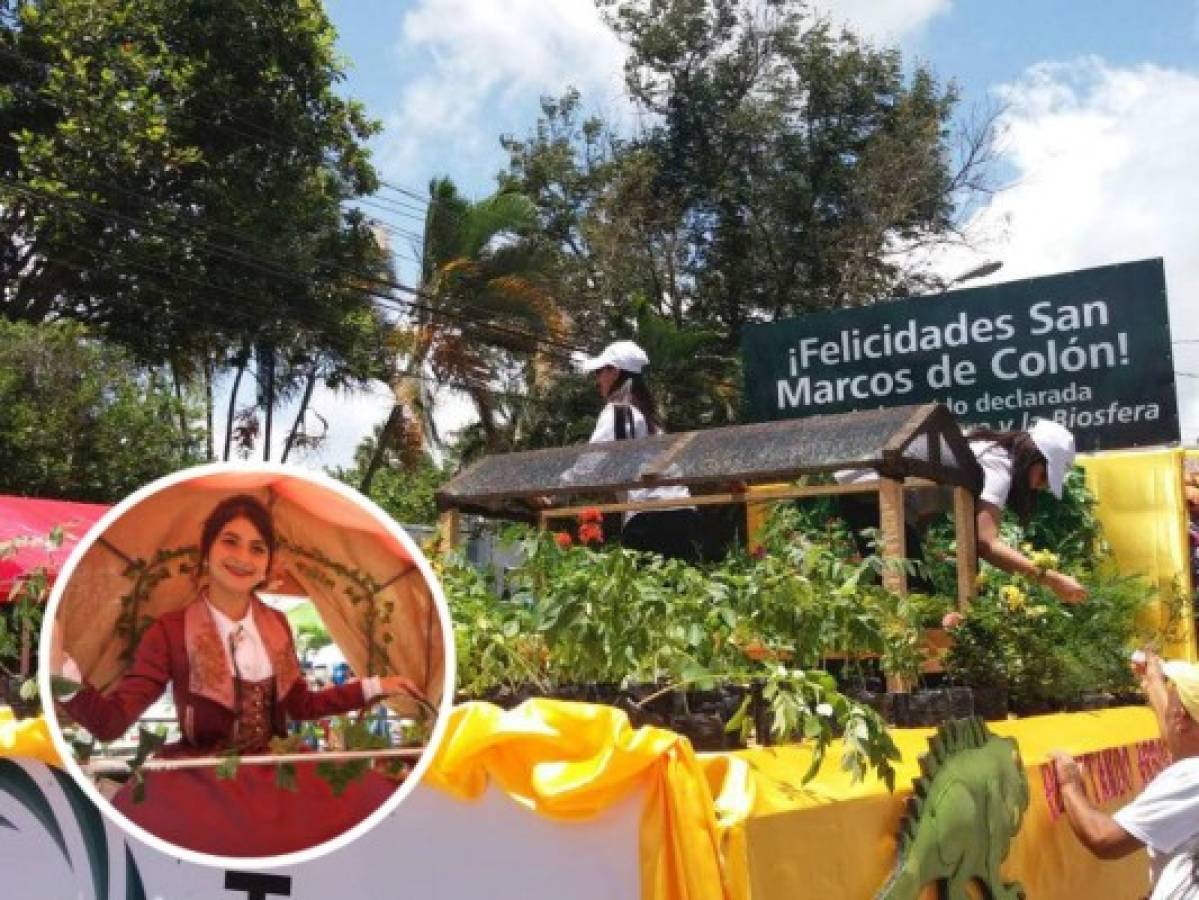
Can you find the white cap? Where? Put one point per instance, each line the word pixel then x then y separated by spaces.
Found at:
pixel 1185 677
pixel 624 355
pixel 1056 444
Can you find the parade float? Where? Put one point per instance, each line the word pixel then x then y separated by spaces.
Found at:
pixel 563 771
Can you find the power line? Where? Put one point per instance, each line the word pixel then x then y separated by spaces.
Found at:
pixel 257 264
pixel 246 318
pixel 407 192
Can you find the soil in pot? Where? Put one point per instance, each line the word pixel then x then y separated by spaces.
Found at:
pixel 961 702
pixel 706 731
pixel 927 709
pixel 990 703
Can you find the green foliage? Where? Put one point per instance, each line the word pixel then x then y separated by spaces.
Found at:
pixel 352 736
pixel 174 174
pixel 226 769
pixel 1017 636
pixel 575 615
pixel 404 492
pixel 777 165
pixel 489 301
pixel 81 420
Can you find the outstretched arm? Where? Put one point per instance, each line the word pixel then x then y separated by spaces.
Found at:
pixel 108 716
pixel 992 548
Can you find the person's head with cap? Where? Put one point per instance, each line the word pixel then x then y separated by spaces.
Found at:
pixel 1041 458
pixel 1056 444
pixel 620 377
pixel 1182 710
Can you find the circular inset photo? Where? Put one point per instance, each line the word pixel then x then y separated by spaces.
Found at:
pixel 249 663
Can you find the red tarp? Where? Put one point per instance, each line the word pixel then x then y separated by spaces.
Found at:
pixel 25 517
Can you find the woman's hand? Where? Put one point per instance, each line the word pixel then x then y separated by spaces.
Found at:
pixel 1068 589
pixel 398 685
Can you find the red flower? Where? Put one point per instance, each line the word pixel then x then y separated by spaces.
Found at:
pixel 563 539
pixel 951 620
pixel 591 534
pixel 758 552
pixel 591 515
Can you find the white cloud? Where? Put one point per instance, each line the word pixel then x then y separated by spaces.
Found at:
pixel 1104 161
pixel 889 22
pixel 480 66
pixel 485 66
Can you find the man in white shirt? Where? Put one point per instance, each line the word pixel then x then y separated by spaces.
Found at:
pixel 1164 818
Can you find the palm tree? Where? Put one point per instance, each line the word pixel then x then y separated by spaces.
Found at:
pixel 486 306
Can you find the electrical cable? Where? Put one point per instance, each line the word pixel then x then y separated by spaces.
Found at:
pixel 257 264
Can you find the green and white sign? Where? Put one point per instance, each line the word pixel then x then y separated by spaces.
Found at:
pixel 1089 349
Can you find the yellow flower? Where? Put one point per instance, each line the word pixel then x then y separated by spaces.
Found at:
pixel 1044 560
pixel 1013 597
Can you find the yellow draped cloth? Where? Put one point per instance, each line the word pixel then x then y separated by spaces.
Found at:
pixel 26 737
pixel 573 761
pixel 736 825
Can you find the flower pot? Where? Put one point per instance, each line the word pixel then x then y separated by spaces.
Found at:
pixel 961 702
pixel 927 709
pixel 990 703
pixel 705 731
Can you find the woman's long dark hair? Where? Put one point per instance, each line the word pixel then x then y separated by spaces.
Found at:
pixel 633 390
pixel 239 506
pixel 1022 499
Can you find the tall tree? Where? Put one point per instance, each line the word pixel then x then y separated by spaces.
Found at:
pixel 83 421
pixel 487 307
pixel 174 173
pixel 783 167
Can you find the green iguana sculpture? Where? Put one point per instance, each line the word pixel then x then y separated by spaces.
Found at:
pixel 965 809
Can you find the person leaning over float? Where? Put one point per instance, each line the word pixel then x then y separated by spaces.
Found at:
pixel 629 413
pixel 1016 465
pixel 236 682
pixel 1164 817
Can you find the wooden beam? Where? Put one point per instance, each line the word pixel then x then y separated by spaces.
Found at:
pixel 792 493
pixel 894 544
pixel 965 534
pixel 447 530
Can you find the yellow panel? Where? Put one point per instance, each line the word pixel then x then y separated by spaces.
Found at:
pixel 1143 513
pixel 756 514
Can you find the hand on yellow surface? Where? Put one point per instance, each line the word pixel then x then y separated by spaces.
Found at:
pixel 1065 768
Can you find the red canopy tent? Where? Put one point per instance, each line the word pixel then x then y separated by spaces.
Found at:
pixel 33 520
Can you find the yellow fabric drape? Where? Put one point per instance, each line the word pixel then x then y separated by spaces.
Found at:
pixel 572 761
pixel 741 825
pixel 1142 508
pixel 26 737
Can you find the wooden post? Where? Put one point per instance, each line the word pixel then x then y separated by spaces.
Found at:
pixel 447 529
pixel 894 547
pixel 966 536
pixel 890 520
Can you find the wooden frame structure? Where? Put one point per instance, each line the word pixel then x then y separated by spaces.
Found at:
pixel 910 447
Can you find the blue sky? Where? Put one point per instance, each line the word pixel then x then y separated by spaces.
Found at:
pixel 1101 122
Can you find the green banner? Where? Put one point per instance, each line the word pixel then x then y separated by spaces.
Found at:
pixel 1090 349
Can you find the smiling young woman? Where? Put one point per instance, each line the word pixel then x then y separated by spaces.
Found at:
pixel 236 682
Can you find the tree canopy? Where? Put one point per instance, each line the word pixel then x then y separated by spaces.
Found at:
pixel 174 173
pixel 782 166
pixel 81 420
